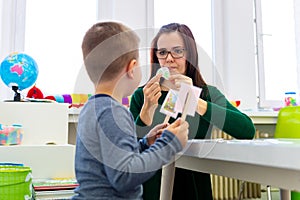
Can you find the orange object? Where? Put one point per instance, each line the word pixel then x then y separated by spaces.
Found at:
pixel 235 103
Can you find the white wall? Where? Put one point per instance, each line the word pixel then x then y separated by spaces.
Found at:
pixel 297 28
pixel 235 50
pixel 138 15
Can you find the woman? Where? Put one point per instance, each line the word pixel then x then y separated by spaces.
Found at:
pixel 174 47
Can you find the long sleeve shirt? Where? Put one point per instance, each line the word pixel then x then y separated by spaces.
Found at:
pixel 110 163
pixel 220 113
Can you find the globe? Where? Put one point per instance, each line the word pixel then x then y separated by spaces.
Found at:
pixel 19 70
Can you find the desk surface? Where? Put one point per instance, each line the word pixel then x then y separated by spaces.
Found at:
pixel 257 116
pixel 266 161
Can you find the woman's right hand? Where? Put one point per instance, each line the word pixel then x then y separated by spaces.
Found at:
pixel 152 92
pixel 180 129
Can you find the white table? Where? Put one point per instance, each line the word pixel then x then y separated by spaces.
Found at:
pixel 264 120
pixel 257 116
pixel 265 161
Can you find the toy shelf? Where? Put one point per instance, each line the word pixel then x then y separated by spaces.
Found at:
pixel 44 145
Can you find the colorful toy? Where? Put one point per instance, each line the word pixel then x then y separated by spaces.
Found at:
pixel 290 99
pixel 11 135
pixel 235 103
pixel 35 93
pixel 74 100
pixel 18 71
pixel 126 101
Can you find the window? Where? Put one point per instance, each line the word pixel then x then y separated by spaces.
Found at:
pixel 277 50
pixel 54 31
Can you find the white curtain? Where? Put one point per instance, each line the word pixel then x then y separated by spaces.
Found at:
pixel 297 39
pixel 12 23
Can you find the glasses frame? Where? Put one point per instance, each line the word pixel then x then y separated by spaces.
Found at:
pixel 171 52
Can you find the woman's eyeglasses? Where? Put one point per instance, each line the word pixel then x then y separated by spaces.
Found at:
pixel 175 53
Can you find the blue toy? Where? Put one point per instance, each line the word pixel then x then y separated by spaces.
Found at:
pixel 18 71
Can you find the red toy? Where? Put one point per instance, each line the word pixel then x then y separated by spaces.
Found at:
pixel 35 93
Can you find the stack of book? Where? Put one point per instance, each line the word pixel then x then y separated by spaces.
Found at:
pixel 54 188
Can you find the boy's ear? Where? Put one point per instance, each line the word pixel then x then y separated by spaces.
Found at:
pixel 130 67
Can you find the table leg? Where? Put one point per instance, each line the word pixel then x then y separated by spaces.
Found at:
pixel 285 194
pixel 167 181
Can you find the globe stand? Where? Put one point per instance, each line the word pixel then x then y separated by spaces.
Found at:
pixel 17 96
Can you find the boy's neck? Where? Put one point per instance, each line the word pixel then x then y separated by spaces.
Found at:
pixel 109 88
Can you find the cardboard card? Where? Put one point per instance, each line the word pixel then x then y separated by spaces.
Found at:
pixel 187 99
pixel 164 71
pixel 168 107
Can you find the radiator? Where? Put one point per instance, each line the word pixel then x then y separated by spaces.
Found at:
pixel 224 188
pixel 229 189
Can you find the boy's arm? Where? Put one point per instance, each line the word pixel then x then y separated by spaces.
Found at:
pixel 143 144
pixel 151 137
pixel 125 166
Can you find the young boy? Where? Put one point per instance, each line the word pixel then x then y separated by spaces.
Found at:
pixel 109 162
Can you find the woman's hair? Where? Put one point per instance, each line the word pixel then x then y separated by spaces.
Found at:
pixel 192 69
pixel 107 47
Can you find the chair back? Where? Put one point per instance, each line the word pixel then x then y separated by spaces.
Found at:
pixel 288 126
pixel 288 122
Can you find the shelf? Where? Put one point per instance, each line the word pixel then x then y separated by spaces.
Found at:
pixel 41 122
pixel 266 117
pixel 45 161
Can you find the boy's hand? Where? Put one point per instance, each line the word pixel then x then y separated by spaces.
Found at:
pixel 180 129
pixel 155 133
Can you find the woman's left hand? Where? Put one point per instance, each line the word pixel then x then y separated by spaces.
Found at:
pixel 177 79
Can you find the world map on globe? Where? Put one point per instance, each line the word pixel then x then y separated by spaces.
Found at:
pixel 19 69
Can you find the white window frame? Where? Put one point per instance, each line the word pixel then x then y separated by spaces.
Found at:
pixel 263 102
pixel 260 58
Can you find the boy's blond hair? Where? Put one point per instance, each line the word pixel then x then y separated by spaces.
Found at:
pixel 107 47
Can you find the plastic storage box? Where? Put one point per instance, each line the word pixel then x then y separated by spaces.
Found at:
pixel 11 135
pixel 15 182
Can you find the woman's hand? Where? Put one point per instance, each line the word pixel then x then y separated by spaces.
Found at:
pixel 152 92
pixel 177 79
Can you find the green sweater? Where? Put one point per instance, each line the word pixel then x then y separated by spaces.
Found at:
pixel 220 113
